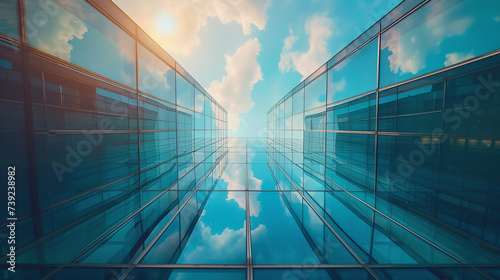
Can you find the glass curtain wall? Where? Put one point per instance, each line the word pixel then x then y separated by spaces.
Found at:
pixel 395 142
pixel 109 137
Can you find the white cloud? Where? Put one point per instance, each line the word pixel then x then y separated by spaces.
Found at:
pixel 199 103
pixel 409 49
pixel 235 176
pixel 289 41
pixel 402 58
pixel 453 58
pixel 339 86
pixel 319 29
pixel 56 34
pixel 497 19
pixel 175 24
pixel 230 244
pixel 231 241
pixel 233 92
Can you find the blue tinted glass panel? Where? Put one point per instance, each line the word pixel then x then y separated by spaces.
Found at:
pixel 219 236
pixel 167 247
pixel 259 177
pixel 315 93
pixel 441 33
pixel 155 76
pixel 9 24
pixel 76 32
pixel 188 274
pixel 276 238
pixel 316 274
pixel 344 79
pixel 185 93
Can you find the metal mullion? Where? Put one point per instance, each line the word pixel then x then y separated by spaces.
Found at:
pixel 157 237
pixel 119 225
pixel 466 62
pixel 261 266
pixel 248 227
pixel 404 227
pixel 376 142
pixel 114 21
pixel 29 128
pixel 402 17
pixel 22 28
pixel 353 253
pixel 76 68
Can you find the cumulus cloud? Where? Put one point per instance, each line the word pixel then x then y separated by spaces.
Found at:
pixel 235 176
pixel 175 24
pixel 234 90
pixel 409 49
pixel 57 32
pixel 227 245
pixel 230 244
pixel 338 86
pixel 289 41
pixel 319 29
pixel 405 56
pixel 453 58
pixel 199 103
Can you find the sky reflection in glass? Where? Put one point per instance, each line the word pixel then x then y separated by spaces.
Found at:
pixel 276 238
pixel 219 235
pixel 79 34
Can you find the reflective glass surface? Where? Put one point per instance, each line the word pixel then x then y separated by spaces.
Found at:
pixel 401 164
pixel 382 164
pixel 9 19
pixel 75 32
pixel 155 76
pixel 439 34
pixel 219 236
pixel 344 78
pixel 107 170
pixel 276 238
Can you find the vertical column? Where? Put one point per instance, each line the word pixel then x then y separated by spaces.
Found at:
pixel 376 141
pixel 248 227
pixel 29 125
pixel 138 110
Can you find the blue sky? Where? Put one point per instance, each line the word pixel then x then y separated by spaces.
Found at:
pixel 249 53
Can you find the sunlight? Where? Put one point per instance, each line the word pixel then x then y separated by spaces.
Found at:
pixel 165 24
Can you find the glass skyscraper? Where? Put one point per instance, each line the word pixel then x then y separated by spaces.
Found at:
pixel 382 164
pixel 395 144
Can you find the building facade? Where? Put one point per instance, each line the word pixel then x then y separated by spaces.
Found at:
pixel 395 142
pixel 106 134
pixel 382 164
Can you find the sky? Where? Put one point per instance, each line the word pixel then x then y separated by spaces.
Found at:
pixel 249 53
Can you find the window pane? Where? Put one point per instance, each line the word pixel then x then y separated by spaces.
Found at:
pixel 288 107
pixel 199 101
pixel 155 76
pixel 298 102
pixel 315 93
pixel 185 93
pixel 441 33
pixel 276 238
pixel 188 274
pixel 219 236
pixel 355 75
pixel 8 18
pixel 79 34
pixel 314 273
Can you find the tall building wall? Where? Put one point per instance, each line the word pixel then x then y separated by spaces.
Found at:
pixel 108 134
pixel 395 140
